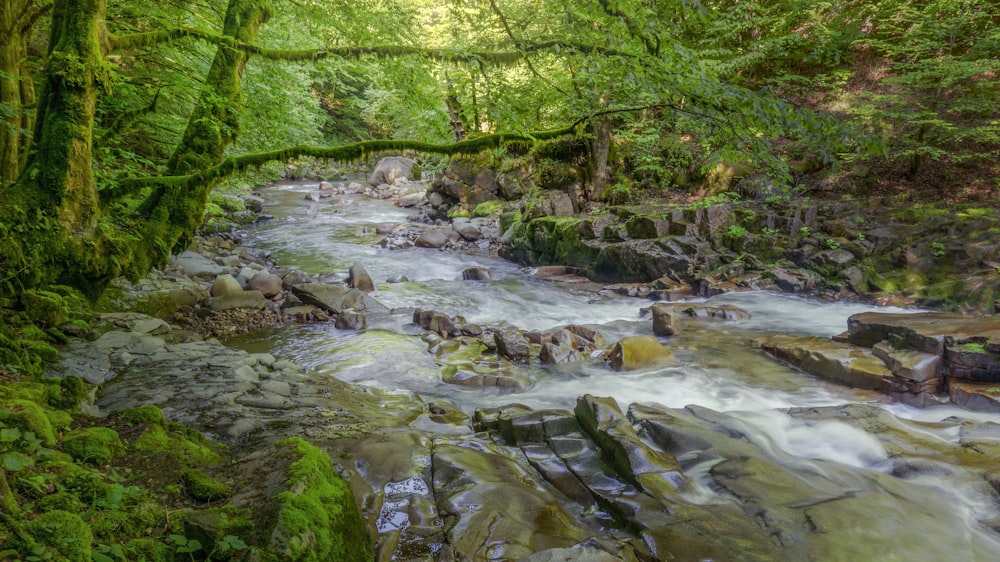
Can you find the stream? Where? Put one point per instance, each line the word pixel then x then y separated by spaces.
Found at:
pixel 716 368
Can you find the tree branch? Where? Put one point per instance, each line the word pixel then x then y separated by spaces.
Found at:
pixel 343 153
pixel 148 39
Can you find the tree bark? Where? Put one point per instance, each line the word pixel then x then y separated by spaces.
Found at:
pixel 600 148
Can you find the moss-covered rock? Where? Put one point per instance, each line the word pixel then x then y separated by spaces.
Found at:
pixel 45 307
pixel 62 535
pixel 317 517
pixel 202 487
pixel 68 394
pixel 148 414
pixel 97 445
pixel 27 415
pixel 190 450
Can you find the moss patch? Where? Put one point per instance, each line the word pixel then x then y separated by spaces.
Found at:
pixel 27 416
pixel 202 487
pixel 62 535
pixel 317 519
pixel 97 445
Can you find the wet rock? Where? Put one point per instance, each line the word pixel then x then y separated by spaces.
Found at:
pixel 359 279
pixel 842 363
pixel 295 277
pixel 411 199
pixel 512 344
pixel 663 320
pixel 637 352
pixel 395 279
pixel 477 273
pixel 225 285
pixel 269 284
pixel 921 371
pixel 491 504
pixel 435 238
pixel 571 344
pixel 794 280
pixel 983 397
pixel 434 321
pixel 575 554
pixel 337 298
pixel 350 320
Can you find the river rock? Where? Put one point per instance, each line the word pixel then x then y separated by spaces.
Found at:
pixel 267 283
pixel 663 320
pixel 395 279
pixel 411 199
pixel 243 299
pixel 350 320
pixel 225 285
pixel 434 238
pixel 842 363
pixel 391 168
pixel 337 298
pixel 468 231
pixel 434 321
pixel 476 273
pixel 359 279
pixel 325 186
pixel 637 352
pixel 512 344
pixel 196 266
pixel 984 397
pixel 571 344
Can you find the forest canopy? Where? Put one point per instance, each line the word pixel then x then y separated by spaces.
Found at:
pixel 119 116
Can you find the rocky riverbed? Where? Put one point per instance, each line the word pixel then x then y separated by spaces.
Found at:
pixel 596 479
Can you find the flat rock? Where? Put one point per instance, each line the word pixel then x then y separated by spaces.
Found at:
pixel 975 396
pixel 195 265
pixel 838 362
pixel 337 298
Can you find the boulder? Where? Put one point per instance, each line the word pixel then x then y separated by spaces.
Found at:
pixel 434 321
pixel 663 320
pixel 476 273
pixel 637 352
pixel 391 168
pixel 435 238
pixel 337 298
pixel 244 299
pixel 410 199
pixel 350 320
pixel 570 345
pixel 358 278
pixel 512 344
pixel 267 283
pixel 468 231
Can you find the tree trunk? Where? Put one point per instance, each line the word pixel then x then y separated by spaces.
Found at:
pixel 54 203
pixel 176 212
pixel 10 93
pixel 600 148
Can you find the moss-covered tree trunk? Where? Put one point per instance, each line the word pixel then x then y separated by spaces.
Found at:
pixel 177 211
pixel 53 207
pixel 16 86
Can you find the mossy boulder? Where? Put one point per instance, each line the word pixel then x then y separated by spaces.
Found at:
pixel 149 550
pixel 637 352
pixel 202 487
pixel 96 445
pixel 68 393
pixel 27 415
pixel 317 517
pixel 62 536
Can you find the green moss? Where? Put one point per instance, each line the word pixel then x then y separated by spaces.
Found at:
pixel 202 487
pixel 457 211
pixel 148 550
pixel 974 347
pixel 317 519
pixel 25 390
pixel 149 413
pixel 97 445
pixel 156 439
pixel 68 394
pixel 64 501
pixel 27 416
pixel 60 419
pixel 63 536
pixel 130 520
pixel 487 208
pixel 45 307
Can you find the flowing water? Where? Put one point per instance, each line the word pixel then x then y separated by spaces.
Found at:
pixel 716 367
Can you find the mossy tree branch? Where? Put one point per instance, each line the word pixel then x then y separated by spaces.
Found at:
pixel 524 49
pixel 343 153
